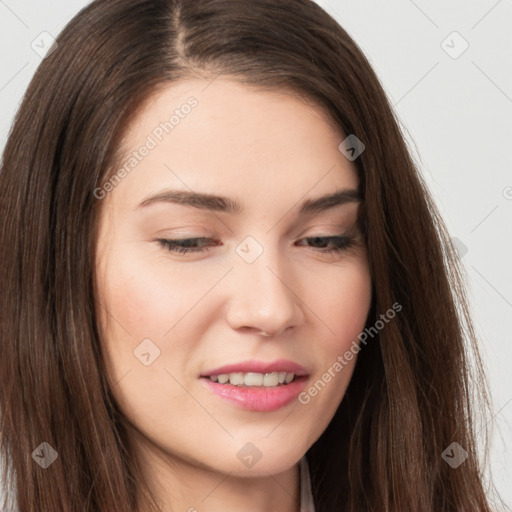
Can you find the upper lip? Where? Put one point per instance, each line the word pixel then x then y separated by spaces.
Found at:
pixel 280 365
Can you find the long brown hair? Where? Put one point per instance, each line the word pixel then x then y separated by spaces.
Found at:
pixel 410 396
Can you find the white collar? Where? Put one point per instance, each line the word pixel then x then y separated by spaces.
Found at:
pixel 306 496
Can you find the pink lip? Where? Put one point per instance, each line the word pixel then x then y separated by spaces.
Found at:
pixel 280 365
pixel 257 398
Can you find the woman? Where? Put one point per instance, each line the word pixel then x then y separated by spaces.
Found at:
pixel 225 284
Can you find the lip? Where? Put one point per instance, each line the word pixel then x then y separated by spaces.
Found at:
pixel 263 399
pixel 257 398
pixel 279 365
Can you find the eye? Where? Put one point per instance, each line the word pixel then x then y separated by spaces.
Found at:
pixel 327 244
pixel 337 243
pixel 185 245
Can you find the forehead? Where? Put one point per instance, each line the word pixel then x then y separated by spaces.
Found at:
pixel 223 136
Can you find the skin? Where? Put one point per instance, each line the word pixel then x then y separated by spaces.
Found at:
pixel 270 151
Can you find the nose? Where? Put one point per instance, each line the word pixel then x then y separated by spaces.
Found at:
pixel 265 296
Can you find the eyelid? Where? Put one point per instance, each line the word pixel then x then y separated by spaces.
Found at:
pixel 343 242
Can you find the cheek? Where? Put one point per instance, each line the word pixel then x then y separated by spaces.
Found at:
pixel 144 301
pixel 342 301
pixel 140 302
pixel 149 298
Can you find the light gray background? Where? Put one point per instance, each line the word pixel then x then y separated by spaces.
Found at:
pixel 456 113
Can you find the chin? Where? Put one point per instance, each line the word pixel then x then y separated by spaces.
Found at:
pixel 256 460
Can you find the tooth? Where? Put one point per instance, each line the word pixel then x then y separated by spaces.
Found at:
pixel 271 379
pixel 253 379
pixel 223 378
pixel 289 377
pixel 236 379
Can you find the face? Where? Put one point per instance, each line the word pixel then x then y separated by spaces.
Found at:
pixel 259 283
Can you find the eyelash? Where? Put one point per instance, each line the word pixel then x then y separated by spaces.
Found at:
pixel 342 244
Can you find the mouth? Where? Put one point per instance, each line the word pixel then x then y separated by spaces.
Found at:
pixel 257 386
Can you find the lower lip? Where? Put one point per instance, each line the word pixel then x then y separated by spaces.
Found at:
pixel 258 398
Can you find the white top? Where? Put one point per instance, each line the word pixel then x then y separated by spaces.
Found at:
pixel 306 496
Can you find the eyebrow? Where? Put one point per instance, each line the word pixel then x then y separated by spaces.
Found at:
pixel 216 203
